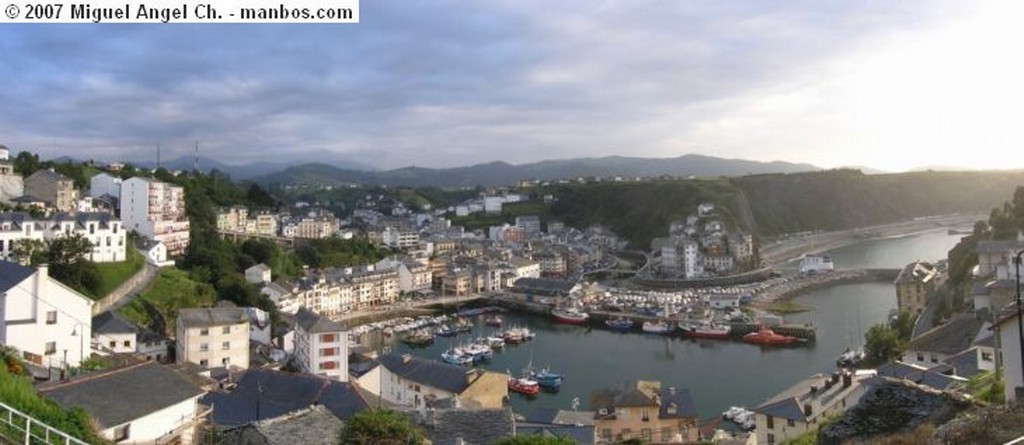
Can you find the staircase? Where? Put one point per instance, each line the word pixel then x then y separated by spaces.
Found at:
pixel 17 427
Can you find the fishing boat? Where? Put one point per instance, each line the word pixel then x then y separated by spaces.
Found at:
pixel 456 357
pixel 493 320
pixel 493 342
pixel 523 386
pixel 768 337
pixel 547 379
pixel 446 331
pixel 420 337
pixel 657 327
pixel 570 316
pixel 707 329
pixel 621 324
pixel 476 352
pixel 850 357
pixel 462 325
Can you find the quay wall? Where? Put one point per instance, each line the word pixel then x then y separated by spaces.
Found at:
pixel 815 282
pixel 731 280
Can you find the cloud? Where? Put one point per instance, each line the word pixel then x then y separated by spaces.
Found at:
pixel 457 82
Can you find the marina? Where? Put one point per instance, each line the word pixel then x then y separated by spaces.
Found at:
pixel 719 373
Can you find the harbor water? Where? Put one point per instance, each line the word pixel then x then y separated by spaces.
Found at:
pixel 718 374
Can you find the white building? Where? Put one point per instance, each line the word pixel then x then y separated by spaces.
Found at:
pixel 145 403
pixel 321 346
pixel 48 322
pixel 492 204
pixel 156 210
pixel 524 268
pixel 104 231
pixel 258 274
pixel 399 238
pixel 213 337
pixel 705 209
pixel 104 184
pixel 155 252
pixel 412 276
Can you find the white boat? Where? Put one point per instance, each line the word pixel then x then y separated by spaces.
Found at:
pixel 657 327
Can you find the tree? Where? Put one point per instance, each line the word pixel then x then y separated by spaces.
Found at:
pixel 881 344
pixel 27 163
pixel 535 440
pixel 904 325
pixel 28 251
pixel 260 197
pixel 380 427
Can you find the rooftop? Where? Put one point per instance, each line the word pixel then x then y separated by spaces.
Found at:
pixel 950 338
pixel 111 322
pixel 206 317
pixel 263 394
pixel 116 396
pixel 450 378
pixel 12 274
pixel 312 322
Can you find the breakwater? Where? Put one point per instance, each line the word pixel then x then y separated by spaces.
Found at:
pixel 801 285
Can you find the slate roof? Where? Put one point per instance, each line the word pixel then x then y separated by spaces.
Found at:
pixel 117 396
pixel 950 338
pixel 111 322
pixel 900 370
pixel 988 341
pixel 630 396
pixel 677 400
pixel 788 408
pixel 313 426
pixel 473 426
pixel 206 317
pixel 979 288
pixel 555 416
pixel 313 323
pixel 965 364
pixel 48 175
pixel 12 274
pixel 788 404
pixel 997 246
pixel 279 393
pixel 450 378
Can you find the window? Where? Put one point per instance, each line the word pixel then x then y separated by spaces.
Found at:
pixel 51 317
pixel 771 423
pixel 790 422
pixel 92 229
pixel 108 241
pixel 606 433
pixel 225 345
pixel 646 434
pixel 920 357
pixel 225 361
pixel 113 344
pixel 121 433
pixel 328 338
pixel 328 365
pixel 51 347
pixel 127 343
pixel 771 439
pixel 934 358
pixel 986 356
pixel 204 331
pixel 203 347
pixel 204 362
pixel 666 434
pixel 328 352
pixel 644 416
pixel 226 330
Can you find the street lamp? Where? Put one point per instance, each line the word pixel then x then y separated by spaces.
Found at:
pixel 81 343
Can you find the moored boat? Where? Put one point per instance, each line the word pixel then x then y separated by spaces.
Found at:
pixel 619 324
pixel 523 386
pixel 657 327
pixel 706 330
pixel 493 320
pixel 547 378
pixel 456 357
pixel 421 337
pixel 570 316
pixel 850 357
pixel 768 337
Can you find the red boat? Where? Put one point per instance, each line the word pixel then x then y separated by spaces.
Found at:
pixel 767 337
pixel 570 316
pixel 523 386
pixel 707 330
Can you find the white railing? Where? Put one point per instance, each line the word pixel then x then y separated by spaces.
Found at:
pixel 1017 441
pixel 19 427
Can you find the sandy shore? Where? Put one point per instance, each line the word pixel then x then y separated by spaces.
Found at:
pixel 792 247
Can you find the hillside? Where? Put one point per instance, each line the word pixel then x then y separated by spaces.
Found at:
pixel 776 204
pixel 502 173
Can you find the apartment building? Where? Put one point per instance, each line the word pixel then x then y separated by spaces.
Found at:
pixel 156 210
pixel 53 188
pixel 213 337
pixel 104 231
pixel 321 345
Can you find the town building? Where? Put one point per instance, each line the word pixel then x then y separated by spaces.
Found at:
pixel 156 210
pixel 144 403
pixel 646 411
pixel 104 232
pixel 48 322
pixel 804 406
pixel 400 238
pixel 321 346
pixel 529 223
pixel 913 286
pixel 213 337
pixel 418 383
pixel 11 184
pixel 258 274
pixel 413 276
pixel 53 188
pixel 1007 329
pixel 105 184
pixel 941 343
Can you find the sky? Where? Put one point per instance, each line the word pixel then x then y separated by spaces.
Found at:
pixel 883 84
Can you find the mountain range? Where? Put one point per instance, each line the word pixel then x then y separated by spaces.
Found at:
pixel 503 173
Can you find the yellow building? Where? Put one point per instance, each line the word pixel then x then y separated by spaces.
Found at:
pixel 647 411
pixel 913 286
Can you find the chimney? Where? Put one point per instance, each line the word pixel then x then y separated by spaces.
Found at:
pixel 847 379
pixel 406 358
pixel 807 410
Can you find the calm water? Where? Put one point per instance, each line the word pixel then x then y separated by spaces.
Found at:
pixel 718 374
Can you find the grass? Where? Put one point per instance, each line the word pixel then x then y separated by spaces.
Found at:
pixel 157 306
pixel 113 275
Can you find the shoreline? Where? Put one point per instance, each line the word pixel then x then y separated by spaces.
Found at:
pixel 791 248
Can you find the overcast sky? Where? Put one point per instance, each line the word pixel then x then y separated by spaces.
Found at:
pixel 887 84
